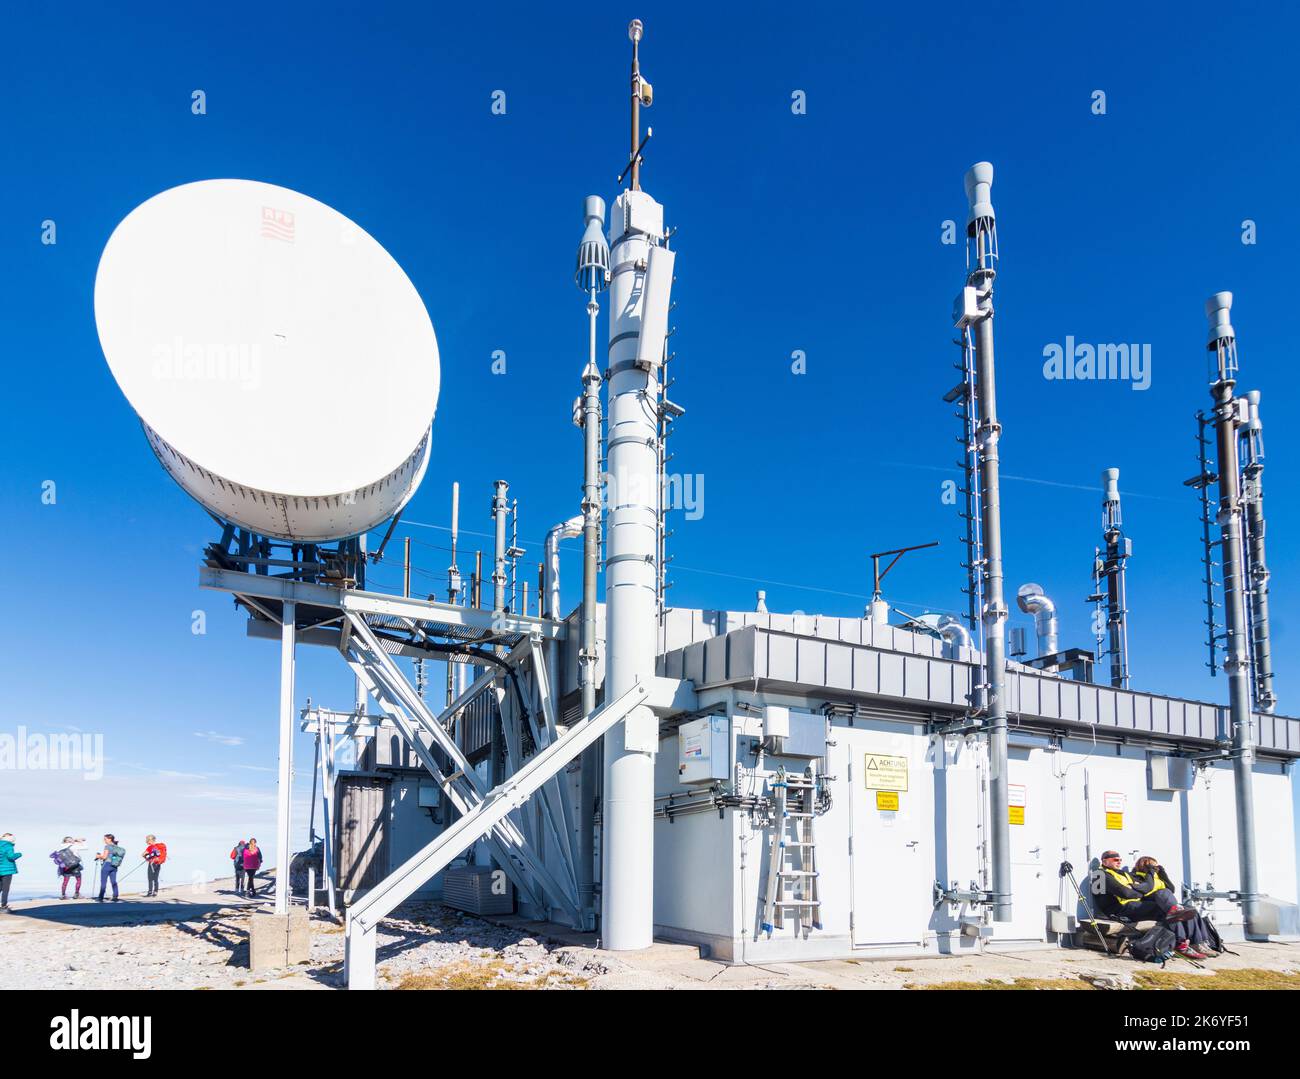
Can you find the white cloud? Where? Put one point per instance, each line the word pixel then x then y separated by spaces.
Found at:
pixel 220 739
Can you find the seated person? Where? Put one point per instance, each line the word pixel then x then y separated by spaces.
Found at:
pixel 1150 874
pixel 1120 896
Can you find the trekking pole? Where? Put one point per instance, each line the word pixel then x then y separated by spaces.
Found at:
pixel 128 873
pixel 1067 870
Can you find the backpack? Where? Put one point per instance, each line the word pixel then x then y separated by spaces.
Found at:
pixel 115 855
pixel 65 859
pixel 1154 946
pixel 1209 936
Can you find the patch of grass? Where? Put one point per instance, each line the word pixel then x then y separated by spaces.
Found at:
pixel 905 970
pixel 1251 978
pixel 495 975
pixel 1018 983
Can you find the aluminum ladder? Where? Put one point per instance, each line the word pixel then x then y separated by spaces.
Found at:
pixel 793 888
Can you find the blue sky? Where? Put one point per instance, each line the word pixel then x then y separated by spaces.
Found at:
pixel 819 233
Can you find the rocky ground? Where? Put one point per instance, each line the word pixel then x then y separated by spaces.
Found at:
pixel 189 939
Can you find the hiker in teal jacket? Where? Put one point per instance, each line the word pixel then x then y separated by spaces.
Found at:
pixel 8 867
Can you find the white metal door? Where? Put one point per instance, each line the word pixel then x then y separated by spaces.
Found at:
pixel 1034 808
pixel 893 848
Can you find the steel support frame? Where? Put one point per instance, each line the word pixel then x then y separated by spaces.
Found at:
pixel 250 587
pixel 365 915
pixel 465 789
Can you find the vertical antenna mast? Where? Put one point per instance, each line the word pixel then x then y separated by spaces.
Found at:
pixel 1119 548
pixel 639 294
pixel 1229 413
pixel 974 312
pixel 592 277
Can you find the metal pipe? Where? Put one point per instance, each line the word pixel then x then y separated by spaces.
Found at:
pixel 1033 600
pixel 1228 413
pixel 1252 476
pixel 982 252
pixel 955 636
pixel 570 529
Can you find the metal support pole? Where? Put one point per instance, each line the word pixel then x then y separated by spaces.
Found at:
pixel 453 583
pixel 326 738
pixel 500 510
pixel 284 801
pixel 1228 413
pixel 982 248
pixel 589 778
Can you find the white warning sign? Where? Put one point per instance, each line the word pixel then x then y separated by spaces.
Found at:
pixel 885 773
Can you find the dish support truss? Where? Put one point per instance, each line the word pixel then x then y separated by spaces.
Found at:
pixel 367 629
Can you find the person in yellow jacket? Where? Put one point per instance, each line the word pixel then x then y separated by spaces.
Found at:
pixel 1122 896
pixel 1149 873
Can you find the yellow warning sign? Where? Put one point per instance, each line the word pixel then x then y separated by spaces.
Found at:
pixel 1016 814
pixel 1114 822
pixel 887 800
pixel 885 773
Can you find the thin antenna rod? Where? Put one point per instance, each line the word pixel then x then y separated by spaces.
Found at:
pixel 634 31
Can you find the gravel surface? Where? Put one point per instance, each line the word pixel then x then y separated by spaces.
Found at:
pixel 189 939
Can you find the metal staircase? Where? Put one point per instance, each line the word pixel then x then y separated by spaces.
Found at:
pixel 793 888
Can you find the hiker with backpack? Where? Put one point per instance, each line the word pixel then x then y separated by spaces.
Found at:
pixel 237 857
pixel 8 867
pixel 252 863
pixel 154 855
pixel 1201 932
pixel 67 860
pixel 1122 897
pixel 109 858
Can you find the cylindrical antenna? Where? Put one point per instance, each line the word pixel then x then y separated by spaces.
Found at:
pixel 1227 414
pixel 592 274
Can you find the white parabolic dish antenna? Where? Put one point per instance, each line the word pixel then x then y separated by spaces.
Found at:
pixel 282 364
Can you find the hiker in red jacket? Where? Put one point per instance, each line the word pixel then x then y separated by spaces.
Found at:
pixel 154 855
pixel 252 863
